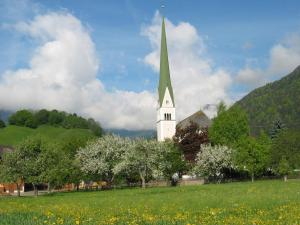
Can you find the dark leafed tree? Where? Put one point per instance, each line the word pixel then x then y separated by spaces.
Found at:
pixel 190 138
pixel 278 126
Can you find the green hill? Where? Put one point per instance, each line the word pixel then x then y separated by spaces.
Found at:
pixel 279 100
pixel 12 135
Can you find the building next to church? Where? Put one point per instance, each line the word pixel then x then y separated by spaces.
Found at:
pixel 166 117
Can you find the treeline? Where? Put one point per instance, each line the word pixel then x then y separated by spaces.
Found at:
pixel 34 119
pixel 40 161
pixel 228 150
pixel 110 158
pixel 269 154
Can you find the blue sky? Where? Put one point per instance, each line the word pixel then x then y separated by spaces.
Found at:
pixel 236 34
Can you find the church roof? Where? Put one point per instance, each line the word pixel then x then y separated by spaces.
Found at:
pixel 164 77
pixel 199 118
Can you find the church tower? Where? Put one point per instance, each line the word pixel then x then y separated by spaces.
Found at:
pixel 166 123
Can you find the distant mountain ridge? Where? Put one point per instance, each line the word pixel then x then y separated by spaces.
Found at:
pixel 132 133
pixel 279 100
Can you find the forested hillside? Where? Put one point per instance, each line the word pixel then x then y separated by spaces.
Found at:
pixel 277 101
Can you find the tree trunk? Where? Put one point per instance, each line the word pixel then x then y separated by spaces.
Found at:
pixel 285 177
pixel 49 187
pixel 18 189
pixel 143 182
pixel 143 179
pixel 35 190
pixel 252 177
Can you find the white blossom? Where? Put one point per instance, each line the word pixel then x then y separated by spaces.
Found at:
pixel 212 159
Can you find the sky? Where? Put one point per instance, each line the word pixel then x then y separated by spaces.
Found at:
pixel 100 59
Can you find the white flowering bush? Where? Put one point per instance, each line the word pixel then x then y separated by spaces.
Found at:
pixel 212 160
pixel 101 156
pixel 110 156
pixel 143 156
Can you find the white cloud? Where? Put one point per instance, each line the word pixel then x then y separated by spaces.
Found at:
pixel 195 81
pixel 284 57
pixel 62 74
pixel 251 77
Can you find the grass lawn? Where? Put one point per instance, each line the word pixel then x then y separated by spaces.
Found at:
pixel 261 202
pixel 12 135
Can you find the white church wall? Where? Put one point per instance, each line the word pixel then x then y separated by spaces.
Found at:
pixel 166 118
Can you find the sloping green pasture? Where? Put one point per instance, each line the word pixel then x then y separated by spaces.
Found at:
pixel 12 135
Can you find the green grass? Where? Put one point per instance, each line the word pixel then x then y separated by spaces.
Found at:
pixel 12 135
pixel 261 202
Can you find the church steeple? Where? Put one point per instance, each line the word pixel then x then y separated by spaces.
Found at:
pixel 166 119
pixel 164 77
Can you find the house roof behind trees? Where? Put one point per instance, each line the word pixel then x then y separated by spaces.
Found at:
pixel 199 118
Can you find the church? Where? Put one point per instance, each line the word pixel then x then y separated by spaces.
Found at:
pixel 166 111
pixel 166 117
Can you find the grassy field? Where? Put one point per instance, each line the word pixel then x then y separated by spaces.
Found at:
pixel 12 135
pixel 261 202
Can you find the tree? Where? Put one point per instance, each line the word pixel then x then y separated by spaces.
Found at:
pixel 221 107
pixel 12 169
pixel 33 163
pixel 172 161
pixel 95 127
pixel 2 124
pixel 142 156
pixel 286 146
pixel 55 117
pixel 22 118
pixel 212 160
pixel 42 116
pixel 55 166
pixel 278 126
pixel 99 157
pixel 70 146
pixel 189 140
pixel 229 126
pixel 31 123
pixel 284 168
pixel 251 155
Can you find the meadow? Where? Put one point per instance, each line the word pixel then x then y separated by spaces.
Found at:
pixel 261 202
pixel 13 135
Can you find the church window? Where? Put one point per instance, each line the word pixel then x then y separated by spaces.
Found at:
pixel 167 116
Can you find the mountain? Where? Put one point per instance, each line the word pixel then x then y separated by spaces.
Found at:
pixel 132 133
pixel 276 101
pixel 4 114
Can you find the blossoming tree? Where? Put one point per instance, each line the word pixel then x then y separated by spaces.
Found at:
pixel 212 160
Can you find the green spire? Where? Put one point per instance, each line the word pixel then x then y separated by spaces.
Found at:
pixel 164 77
